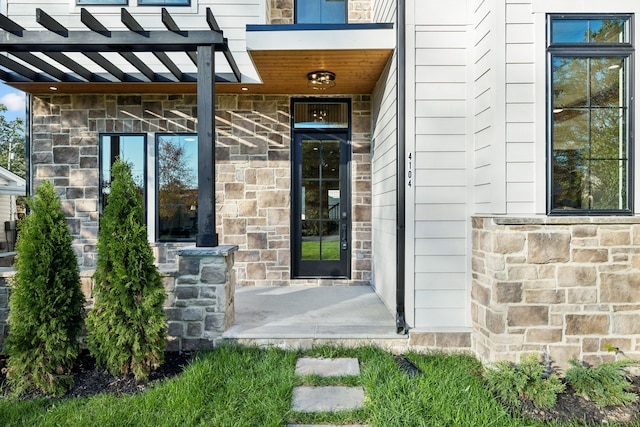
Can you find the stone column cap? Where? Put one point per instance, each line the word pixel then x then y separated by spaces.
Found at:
pixel 220 250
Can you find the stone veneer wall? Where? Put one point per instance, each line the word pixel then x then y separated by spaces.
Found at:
pixel 253 178
pixel 200 303
pixel 281 11
pixel 567 286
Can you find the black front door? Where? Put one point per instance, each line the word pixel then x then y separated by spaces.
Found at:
pixel 321 238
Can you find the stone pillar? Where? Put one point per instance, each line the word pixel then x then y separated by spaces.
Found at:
pixel 201 306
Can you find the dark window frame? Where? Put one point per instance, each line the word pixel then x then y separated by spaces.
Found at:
pixel 157 137
pixel 145 167
pixel 162 3
pixel 591 50
pixel 98 3
pixel 295 13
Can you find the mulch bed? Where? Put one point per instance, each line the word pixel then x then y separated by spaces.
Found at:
pixel 90 380
pixel 572 407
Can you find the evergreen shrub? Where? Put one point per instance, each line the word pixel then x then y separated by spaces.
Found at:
pixel 605 384
pixel 527 380
pixel 46 300
pixel 126 328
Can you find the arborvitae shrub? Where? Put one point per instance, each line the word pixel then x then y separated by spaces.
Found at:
pixel 126 328
pixel 46 302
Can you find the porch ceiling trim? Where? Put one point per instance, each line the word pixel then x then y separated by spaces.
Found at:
pixel 284 54
pixel 33 60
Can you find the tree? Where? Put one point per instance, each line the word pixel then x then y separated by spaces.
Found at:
pixel 12 144
pixel 126 328
pixel 46 302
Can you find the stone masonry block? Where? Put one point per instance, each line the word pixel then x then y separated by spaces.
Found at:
pixel 214 322
pixel 615 237
pixel 585 230
pixel 508 243
pixel 194 329
pixel 531 315
pixel 620 287
pixel 545 335
pixel 626 324
pixel 480 294
pixel 175 329
pixel 582 295
pixel 506 292
pixel 587 324
pixel 186 292
pixel 545 296
pixel 189 265
pixel 545 248
pixel 496 322
pixel 572 275
pixel 214 275
pixel 561 354
pixel 522 272
pixel 192 313
pixel 209 291
pixel 590 255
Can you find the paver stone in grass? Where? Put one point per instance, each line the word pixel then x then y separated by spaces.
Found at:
pixel 327 399
pixel 328 367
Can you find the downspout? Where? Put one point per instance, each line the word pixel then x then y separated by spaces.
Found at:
pixel 401 322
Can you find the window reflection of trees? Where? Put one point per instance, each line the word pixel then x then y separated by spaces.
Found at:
pixel 590 127
pixel 177 187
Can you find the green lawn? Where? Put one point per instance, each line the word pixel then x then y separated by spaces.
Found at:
pixel 246 386
pixel 330 250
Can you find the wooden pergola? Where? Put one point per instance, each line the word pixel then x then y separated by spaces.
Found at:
pixel 23 64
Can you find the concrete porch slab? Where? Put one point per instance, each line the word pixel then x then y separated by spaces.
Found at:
pixel 327 313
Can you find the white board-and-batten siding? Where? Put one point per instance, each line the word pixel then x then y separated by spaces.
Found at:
pixel 437 201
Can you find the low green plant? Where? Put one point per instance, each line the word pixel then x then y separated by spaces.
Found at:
pixel 46 303
pixel 605 384
pixel 527 380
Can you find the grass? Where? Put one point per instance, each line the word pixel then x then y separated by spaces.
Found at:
pixel 247 386
pixel 330 250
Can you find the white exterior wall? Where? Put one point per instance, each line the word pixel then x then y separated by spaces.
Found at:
pixel 384 172
pixel 437 200
pixel 486 98
pixel 231 15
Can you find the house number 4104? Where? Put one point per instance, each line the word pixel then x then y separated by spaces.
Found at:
pixel 410 169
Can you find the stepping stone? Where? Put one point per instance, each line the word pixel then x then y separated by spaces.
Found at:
pixel 327 399
pixel 327 425
pixel 327 367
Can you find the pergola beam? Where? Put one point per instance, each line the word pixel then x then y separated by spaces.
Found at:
pixel 199 45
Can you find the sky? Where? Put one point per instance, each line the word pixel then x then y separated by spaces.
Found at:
pixel 14 100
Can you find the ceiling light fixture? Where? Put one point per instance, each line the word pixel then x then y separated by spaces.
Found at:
pixel 321 80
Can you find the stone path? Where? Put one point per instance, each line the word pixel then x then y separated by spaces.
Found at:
pixel 327 398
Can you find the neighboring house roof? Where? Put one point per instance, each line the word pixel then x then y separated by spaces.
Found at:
pixel 11 184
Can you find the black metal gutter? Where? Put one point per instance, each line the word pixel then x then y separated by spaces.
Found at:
pixel 401 322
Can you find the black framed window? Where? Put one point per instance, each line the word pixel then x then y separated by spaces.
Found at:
pixel 321 11
pixel 177 187
pixel 590 60
pixel 131 148
pixel 96 2
pixel 164 2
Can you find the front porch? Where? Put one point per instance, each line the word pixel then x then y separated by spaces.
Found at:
pixel 303 316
